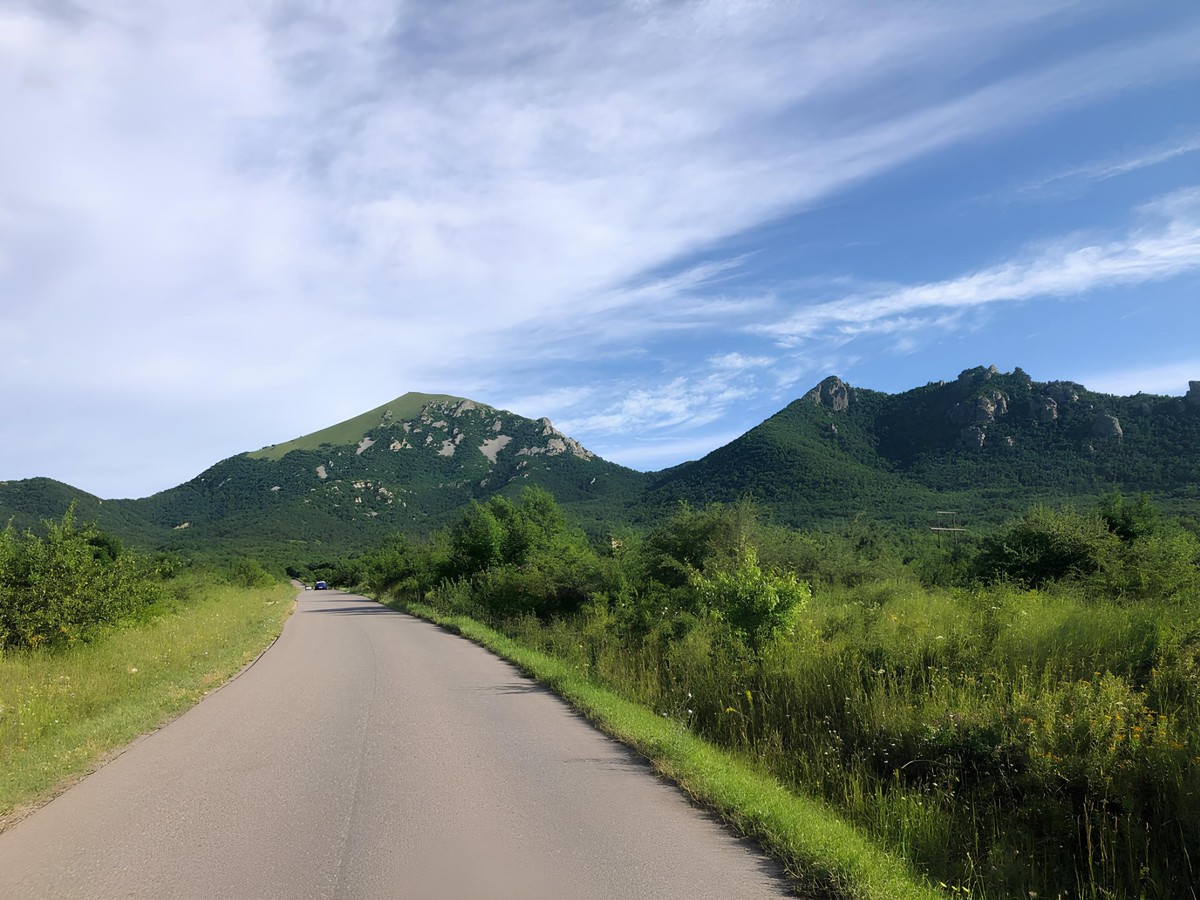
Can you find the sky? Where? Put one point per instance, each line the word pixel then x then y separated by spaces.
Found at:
pixel 227 224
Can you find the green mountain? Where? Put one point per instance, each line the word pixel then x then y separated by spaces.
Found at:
pixel 408 465
pixel 987 445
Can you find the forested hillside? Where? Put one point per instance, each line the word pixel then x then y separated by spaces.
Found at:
pixel 984 445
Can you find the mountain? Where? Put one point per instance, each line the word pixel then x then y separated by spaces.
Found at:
pixel 986 444
pixel 989 443
pixel 408 465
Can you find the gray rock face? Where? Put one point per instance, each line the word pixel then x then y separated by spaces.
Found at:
pixel 1107 427
pixel 983 409
pixel 1064 391
pixel 1192 398
pixel 1044 410
pixel 832 393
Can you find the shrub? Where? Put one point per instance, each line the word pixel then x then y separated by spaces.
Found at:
pixel 57 588
pixel 1046 545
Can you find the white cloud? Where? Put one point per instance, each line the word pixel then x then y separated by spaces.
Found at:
pixel 1165 245
pixel 736 362
pixel 276 208
pixel 1144 158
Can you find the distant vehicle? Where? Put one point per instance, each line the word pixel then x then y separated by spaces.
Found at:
pixel 321 586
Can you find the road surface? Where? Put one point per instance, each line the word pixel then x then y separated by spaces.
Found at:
pixel 370 754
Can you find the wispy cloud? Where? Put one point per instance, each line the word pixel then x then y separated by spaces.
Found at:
pixel 432 195
pixel 1164 245
pixel 1144 158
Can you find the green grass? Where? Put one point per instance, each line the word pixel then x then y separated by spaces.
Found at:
pixel 408 406
pixel 821 850
pixel 63 712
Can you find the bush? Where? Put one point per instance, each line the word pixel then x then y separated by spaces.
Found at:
pixel 1047 545
pixel 756 604
pixel 57 588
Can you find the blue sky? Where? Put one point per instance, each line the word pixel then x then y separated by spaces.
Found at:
pixel 224 224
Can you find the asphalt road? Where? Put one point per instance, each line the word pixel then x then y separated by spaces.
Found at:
pixel 370 754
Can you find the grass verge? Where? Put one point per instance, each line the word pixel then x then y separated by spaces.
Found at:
pixel 824 853
pixel 63 712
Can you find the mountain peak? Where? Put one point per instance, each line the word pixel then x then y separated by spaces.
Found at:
pixel 405 407
pixel 832 393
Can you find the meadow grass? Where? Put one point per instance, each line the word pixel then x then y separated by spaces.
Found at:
pixel 62 712
pixel 1002 742
pixel 826 855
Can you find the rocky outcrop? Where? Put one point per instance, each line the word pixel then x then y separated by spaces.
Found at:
pixel 1044 410
pixel 979 373
pixel 987 407
pixel 1192 398
pixel 1107 426
pixel 832 393
pixel 1063 392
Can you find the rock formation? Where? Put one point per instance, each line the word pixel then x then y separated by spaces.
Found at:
pixel 1107 426
pixel 987 407
pixel 832 393
pixel 972 437
pixel 1062 392
pixel 1044 410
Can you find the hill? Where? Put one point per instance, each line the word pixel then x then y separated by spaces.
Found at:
pixel 987 444
pixel 408 465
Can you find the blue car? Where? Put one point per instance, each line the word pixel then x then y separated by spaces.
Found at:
pixel 321 586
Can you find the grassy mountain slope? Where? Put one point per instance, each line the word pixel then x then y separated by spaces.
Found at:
pixel 409 465
pixel 987 442
pixel 405 407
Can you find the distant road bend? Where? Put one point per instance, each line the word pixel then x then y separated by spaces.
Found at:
pixel 370 754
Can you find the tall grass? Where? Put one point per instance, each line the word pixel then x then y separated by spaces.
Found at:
pixel 1010 743
pixel 62 710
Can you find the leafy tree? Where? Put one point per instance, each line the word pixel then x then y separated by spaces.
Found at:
pixel 1046 545
pixel 477 540
pixel 1129 520
pixel 57 588
pixel 756 604
pixel 693 540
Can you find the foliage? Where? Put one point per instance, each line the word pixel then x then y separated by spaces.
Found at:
pixel 1046 545
pixel 757 605
pixel 1019 725
pixel 59 588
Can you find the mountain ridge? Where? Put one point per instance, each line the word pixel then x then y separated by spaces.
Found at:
pixel 989 441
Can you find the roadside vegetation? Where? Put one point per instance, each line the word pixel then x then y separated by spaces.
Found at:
pixel 99 644
pixel 1015 716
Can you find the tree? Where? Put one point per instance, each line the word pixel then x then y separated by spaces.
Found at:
pixel 756 604
pixel 1046 545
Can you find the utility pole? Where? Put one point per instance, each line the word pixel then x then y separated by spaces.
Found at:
pixel 947 523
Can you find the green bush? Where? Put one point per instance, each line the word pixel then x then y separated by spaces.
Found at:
pixel 1047 545
pixel 58 588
